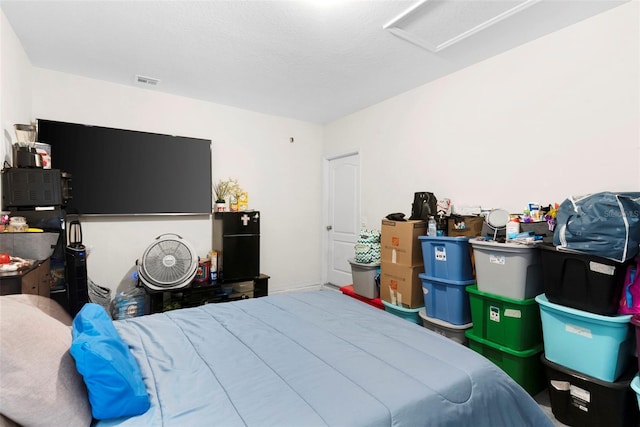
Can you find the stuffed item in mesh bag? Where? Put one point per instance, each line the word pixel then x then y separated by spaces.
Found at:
pixel 443 206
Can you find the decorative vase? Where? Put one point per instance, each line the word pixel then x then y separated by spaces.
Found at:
pixel 220 206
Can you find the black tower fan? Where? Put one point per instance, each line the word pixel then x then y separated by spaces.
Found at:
pixel 76 268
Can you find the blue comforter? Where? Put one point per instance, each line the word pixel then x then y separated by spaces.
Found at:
pixel 313 359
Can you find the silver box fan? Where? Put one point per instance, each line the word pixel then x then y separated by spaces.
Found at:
pixel 170 262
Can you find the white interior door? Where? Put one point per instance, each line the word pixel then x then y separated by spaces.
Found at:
pixel 343 223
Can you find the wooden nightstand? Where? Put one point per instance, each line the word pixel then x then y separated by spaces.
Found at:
pixel 35 280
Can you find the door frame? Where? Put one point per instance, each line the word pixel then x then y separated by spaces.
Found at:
pixel 325 205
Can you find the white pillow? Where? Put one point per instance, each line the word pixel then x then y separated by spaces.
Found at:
pixel 39 383
pixel 44 304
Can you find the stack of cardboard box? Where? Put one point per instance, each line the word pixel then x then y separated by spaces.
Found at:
pixel 401 262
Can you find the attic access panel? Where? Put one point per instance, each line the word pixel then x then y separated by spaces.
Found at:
pixel 437 24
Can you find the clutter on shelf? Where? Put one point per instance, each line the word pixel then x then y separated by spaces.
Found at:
pixel 230 191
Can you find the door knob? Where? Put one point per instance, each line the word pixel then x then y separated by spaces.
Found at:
pixel 329 228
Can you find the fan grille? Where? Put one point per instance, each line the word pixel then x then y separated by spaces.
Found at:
pixel 168 263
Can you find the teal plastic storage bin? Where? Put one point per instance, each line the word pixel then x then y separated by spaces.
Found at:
pixel 447 258
pixel 410 314
pixel 447 299
pixel 595 345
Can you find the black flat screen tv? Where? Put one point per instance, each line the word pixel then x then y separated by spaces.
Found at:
pixel 126 172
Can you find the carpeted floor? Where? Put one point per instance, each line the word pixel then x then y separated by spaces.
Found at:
pixel 543 400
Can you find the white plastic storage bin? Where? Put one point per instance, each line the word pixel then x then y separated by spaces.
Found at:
pixel 446 329
pixel 511 270
pixel 364 279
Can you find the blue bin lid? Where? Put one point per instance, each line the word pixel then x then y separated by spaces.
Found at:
pixel 423 276
pixel 445 238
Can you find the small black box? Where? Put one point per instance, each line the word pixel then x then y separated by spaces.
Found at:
pixel 580 400
pixel 581 281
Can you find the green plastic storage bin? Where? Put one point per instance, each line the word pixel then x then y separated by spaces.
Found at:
pixel 524 367
pixel 512 323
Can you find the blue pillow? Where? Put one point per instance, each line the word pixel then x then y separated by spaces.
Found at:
pixel 110 371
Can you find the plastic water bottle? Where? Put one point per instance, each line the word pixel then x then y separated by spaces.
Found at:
pixel 130 299
pixel 513 228
pixel 432 229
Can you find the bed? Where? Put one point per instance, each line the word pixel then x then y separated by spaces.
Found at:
pixel 300 359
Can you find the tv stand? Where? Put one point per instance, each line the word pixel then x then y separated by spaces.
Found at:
pixel 208 293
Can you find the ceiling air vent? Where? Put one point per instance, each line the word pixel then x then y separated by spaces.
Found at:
pixel 150 81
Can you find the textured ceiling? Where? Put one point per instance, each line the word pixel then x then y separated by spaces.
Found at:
pixel 309 60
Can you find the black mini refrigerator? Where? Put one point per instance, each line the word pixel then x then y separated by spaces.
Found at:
pixel 236 238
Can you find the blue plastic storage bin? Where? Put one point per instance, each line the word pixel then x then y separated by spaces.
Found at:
pixel 410 314
pixel 447 258
pixel 447 299
pixel 595 345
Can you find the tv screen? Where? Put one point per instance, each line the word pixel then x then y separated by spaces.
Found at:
pixel 126 172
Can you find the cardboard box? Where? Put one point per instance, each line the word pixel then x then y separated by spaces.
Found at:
pixel 399 242
pixel 401 285
pixel 465 226
pixel 243 202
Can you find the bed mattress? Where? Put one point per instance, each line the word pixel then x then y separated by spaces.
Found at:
pixel 313 359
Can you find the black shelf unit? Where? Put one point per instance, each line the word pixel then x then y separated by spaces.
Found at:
pixel 208 293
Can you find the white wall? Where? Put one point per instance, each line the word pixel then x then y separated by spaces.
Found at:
pixel 15 87
pixel 555 117
pixel 279 176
